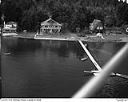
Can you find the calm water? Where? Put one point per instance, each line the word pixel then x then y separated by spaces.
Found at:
pixel 37 68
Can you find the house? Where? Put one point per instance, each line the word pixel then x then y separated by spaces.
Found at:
pixel 96 26
pixel 50 26
pixel 10 27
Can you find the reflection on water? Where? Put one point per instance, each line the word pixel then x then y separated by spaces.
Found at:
pixel 37 68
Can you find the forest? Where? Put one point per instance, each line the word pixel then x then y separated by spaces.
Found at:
pixel 71 13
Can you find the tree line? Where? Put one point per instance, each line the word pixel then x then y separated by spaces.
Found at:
pixel 71 13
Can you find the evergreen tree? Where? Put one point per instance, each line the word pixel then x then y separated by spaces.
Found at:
pixel 72 13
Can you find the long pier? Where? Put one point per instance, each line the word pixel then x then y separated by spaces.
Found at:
pixel 90 56
pixel 97 65
pixel 90 88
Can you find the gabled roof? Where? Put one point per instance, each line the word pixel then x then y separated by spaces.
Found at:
pixel 97 22
pixel 11 22
pixel 50 21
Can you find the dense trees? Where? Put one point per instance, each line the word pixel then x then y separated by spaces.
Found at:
pixel 71 13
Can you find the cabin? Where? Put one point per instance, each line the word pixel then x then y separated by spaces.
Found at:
pixel 96 26
pixel 10 27
pixel 50 26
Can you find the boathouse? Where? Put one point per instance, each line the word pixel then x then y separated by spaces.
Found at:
pixel 50 26
pixel 10 27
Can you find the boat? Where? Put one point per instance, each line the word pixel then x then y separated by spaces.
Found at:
pixel 94 72
pixel 83 59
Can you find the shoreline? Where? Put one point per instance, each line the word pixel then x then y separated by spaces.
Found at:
pixel 66 39
pixel 59 39
pixel 73 37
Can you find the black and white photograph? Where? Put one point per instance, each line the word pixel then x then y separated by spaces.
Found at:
pixel 64 49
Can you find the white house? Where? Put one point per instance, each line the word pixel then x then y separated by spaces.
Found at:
pixel 50 26
pixel 10 27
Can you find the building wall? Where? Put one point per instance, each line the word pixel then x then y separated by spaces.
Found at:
pixel 10 27
pixel 50 29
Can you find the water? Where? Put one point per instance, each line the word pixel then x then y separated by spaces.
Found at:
pixel 39 68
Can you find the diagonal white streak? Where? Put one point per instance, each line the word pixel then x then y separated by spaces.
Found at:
pixel 97 82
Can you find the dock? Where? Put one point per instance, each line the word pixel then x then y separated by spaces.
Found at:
pixel 90 56
pixel 96 72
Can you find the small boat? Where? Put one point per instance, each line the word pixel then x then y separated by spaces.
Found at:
pixel 83 59
pixel 94 72
pixel 7 53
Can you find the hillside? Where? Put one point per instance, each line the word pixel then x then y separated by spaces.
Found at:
pixel 71 13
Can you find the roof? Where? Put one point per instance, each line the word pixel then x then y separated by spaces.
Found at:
pixel 11 22
pixel 50 21
pixel 97 22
